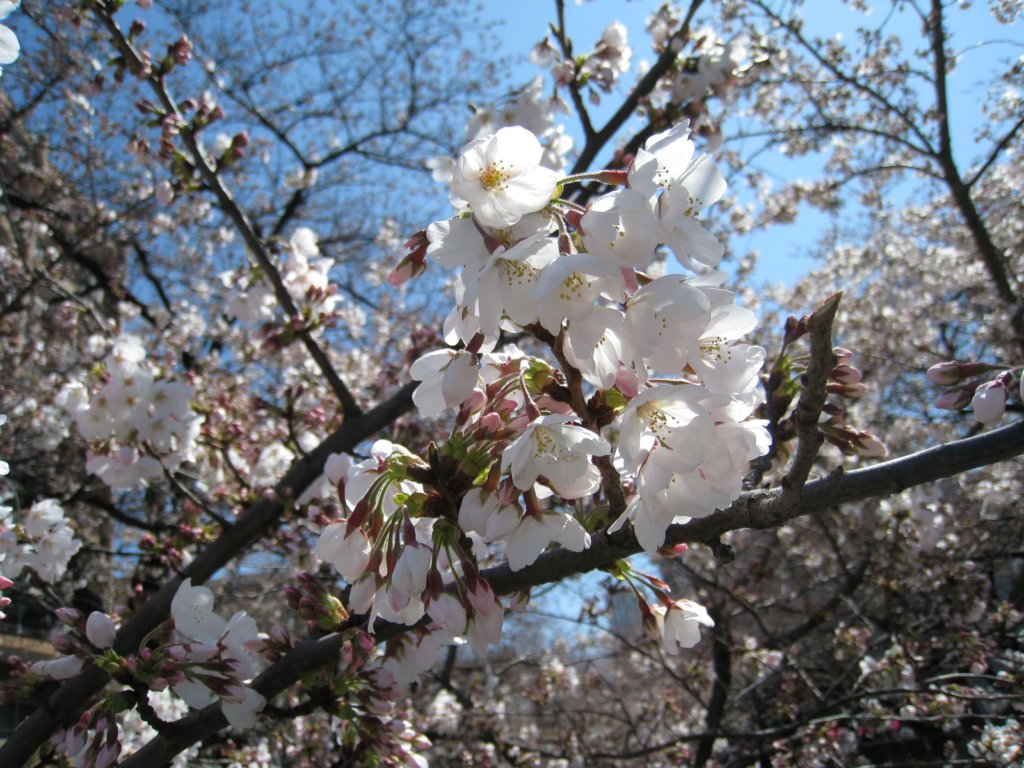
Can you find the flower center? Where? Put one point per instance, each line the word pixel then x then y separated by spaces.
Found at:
pixel 494 176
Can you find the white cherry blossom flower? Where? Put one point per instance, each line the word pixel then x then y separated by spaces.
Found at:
pixel 667 317
pixel 568 287
pixel 484 626
pixel 679 186
pixel 409 577
pixel 447 612
pixel 456 242
pixel 559 451
pixel 348 552
pixel 448 377
pixel 602 346
pixel 621 227
pixel 192 612
pixel 669 415
pixel 682 623
pixel 500 177
pixel 505 285
pixel 535 533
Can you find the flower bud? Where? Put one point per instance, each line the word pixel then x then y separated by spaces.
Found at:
pixel 100 630
pixel 989 402
pixel 946 374
pixel 69 616
pixel 953 399
pixel 158 684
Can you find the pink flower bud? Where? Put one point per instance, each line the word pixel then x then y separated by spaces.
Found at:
pixel 158 684
pixel 989 402
pixel 177 652
pixel 63 644
pixel 108 753
pixel 953 399
pixel 946 374
pixel 69 616
pixel 100 630
pixel 845 374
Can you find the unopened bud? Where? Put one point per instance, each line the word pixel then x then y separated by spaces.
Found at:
pixel 181 50
pixel 989 402
pixel 69 616
pixel 845 374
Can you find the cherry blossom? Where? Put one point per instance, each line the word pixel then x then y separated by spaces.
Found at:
pixel 557 450
pixel 500 177
pixel 535 532
pixel 448 377
pixel 682 622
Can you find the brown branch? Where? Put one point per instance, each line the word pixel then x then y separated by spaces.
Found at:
pixel 812 400
pixel 722 667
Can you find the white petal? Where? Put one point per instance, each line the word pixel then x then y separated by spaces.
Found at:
pixel 9 46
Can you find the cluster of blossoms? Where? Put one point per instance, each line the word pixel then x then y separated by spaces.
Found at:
pixel 972 383
pixel 707 68
pixel 203 659
pixel 139 423
pixel 667 422
pixel 598 71
pixel 304 273
pixel 38 539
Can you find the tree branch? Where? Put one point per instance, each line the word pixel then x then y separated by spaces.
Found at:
pixel 227 203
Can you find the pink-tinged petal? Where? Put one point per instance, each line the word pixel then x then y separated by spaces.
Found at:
pixel 485 628
pixel 448 613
